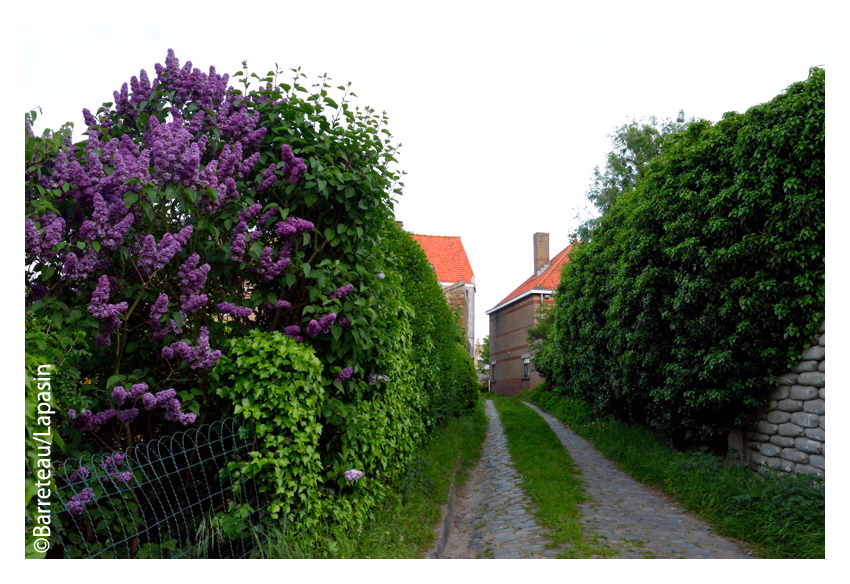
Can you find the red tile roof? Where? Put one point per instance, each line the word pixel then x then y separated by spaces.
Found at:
pixel 447 255
pixel 547 280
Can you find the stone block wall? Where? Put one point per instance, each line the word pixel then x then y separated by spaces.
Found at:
pixel 789 435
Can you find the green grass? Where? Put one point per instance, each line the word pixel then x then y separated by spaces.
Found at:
pixel 549 478
pixel 405 526
pixel 779 515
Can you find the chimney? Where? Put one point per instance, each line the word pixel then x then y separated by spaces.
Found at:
pixel 541 251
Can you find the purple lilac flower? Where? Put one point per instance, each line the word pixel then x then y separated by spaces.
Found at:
pixel 294 166
pixel 250 212
pixel 282 304
pixel 76 504
pixel 294 332
pixel 158 309
pixel 341 292
pixel 192 281
pixel 33 237
pixel 313 328
pixel 353 475
pixel 293 226
pixel 267 216
pixel 79 475
pixel 81 269
pixel 164 396
pixel 107 314
pixel 88 118
pixel 343 321
pixel 326 322
pixel 233 310
pixel 381 276
pixel 128 416
pixel 72 414
pixel 344 374
pixel 149 401
pixel 155 257
pixel 37 292
pixel 268 177
pixel 136 391
pixel 271 269
pixel 237 241
pixel 119 396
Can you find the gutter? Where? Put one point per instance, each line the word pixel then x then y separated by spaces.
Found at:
pixel 520 297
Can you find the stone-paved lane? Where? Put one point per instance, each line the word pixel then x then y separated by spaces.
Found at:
pixel 502 517
pixel 632 518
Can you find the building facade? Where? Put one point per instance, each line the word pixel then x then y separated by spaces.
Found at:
pixel 450 263
pixel 511 358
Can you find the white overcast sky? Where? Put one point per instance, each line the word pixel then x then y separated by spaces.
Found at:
pixel 502 117
pixel 503 108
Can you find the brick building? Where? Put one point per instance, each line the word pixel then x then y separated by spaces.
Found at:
pixel 448 259
pixel 511 359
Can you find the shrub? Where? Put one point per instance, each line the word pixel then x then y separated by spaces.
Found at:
pixel 441 365
pixel 197 224
pixel 706 280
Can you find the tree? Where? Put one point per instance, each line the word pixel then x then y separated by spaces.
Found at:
pixel 634 145
pixel 484 359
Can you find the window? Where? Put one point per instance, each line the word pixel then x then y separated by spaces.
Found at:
pixel 493 372
pixel 525 369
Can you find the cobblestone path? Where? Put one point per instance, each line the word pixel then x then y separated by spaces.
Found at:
pixel 495 519
pixel 632 518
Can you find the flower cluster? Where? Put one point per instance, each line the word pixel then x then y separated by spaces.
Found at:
pixel 107 314
pixel 344 290
pixel 192 281
pixel 88 421
pixel 373 379
pixel 79 475
pixel 293 331
pixel 353 475
pixel 110 466
pixel 294 166
pixel 40 244
pixel 77 503
pixel 153 258
pixel 344 374
pixel 233 310
pixel 323 325
pixel 167 400
pixel 200 357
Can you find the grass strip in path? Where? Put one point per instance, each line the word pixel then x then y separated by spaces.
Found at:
pixel 549 477
pixel 778 515
pixel 404 527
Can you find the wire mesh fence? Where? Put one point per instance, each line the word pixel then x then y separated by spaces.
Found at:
pixel 178 496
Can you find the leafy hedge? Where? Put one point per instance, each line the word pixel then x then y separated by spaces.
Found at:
pixel 442 366
pixel 707 279
pixel 197 224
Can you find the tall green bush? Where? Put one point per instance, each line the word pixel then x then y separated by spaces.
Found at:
pixel 708 279
pixel 441 365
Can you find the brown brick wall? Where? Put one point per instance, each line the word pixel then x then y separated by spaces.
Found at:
pixel 508 344
pixel 457 299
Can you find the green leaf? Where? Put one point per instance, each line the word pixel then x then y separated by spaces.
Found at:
pixel 95 245
pixel 130 198
pixel 46 273
pixel 306 268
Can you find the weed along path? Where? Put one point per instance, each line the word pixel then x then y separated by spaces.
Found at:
pixel 493 518
pixel 631 518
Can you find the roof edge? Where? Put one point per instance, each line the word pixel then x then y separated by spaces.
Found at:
pixel 523 295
